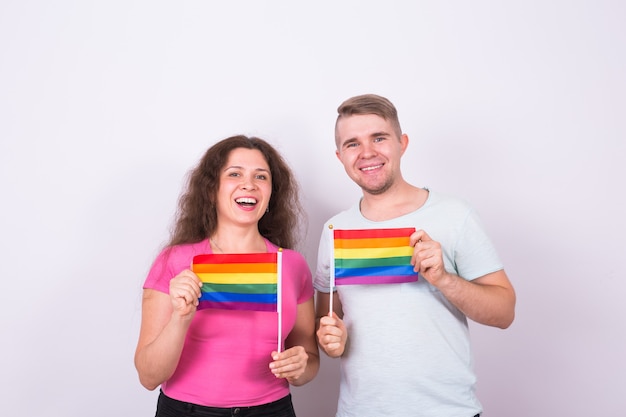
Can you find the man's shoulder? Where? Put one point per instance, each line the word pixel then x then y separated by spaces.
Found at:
pixel 439 199
pixel 350 214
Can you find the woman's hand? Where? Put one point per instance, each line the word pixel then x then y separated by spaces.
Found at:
pixel 185 290
pixel 289 364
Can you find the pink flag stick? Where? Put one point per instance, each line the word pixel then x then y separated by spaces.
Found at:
pixel 332 268
pixel 279 296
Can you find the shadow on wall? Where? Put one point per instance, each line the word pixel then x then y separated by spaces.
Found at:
pixel 319 397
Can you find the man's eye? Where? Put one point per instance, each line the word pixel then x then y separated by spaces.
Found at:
pixel 379 139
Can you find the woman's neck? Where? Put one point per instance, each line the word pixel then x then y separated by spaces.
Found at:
pixel 237 241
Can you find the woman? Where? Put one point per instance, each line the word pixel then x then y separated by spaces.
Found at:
pixel 241 198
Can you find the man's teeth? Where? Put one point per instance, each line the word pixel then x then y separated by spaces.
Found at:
pixel 371 168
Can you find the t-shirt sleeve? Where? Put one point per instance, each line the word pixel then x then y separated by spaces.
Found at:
pixel 302 275
pixel 475 255
pixel 166 266
pixel 321 280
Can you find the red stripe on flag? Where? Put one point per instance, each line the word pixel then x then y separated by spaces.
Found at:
pixel 236 258
pixel 373 233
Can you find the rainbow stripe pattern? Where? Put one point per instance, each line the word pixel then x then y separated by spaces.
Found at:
pixel 373 256
pixel 246 281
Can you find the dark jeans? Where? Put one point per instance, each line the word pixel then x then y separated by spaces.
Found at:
pixel 169 407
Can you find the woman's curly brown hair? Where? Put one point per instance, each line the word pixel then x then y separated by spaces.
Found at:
pixel 196 217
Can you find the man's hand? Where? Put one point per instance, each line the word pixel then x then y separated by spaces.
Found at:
pixel 427 259
pixel 332 335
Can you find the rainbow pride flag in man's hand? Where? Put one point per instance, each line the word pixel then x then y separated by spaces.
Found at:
pixel 373 256
pixel 246 281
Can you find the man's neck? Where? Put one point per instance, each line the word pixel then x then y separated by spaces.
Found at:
pixel 393 203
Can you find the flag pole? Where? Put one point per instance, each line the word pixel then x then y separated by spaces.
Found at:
pixel 279 296
pixel 332 269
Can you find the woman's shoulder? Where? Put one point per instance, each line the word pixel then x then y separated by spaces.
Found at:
pixel 293 254
pixel 290 255
pixel 184 252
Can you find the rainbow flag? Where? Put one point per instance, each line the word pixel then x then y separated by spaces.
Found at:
pixel 373 256
pixel 244 281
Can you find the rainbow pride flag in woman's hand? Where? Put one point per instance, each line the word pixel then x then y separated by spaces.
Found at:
pixel 247 281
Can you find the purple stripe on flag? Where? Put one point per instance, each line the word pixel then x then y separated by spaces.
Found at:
pixel 237 306
pixel 386 279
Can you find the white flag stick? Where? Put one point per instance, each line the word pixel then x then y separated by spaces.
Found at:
pixel 332 268
pixel 279 296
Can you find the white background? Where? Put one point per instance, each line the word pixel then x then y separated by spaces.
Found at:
pixel 517 106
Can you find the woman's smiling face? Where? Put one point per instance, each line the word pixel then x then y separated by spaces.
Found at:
pixel 245 188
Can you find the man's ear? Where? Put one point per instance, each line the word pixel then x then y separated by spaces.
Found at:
pixel 404 142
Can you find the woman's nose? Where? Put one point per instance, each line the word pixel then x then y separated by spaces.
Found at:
pixel 247 184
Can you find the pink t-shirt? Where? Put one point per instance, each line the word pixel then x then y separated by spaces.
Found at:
pixel 226 356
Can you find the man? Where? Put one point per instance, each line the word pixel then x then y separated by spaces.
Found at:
pixel 404 347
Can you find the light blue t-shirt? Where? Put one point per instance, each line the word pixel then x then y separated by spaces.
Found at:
pixel 408 350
